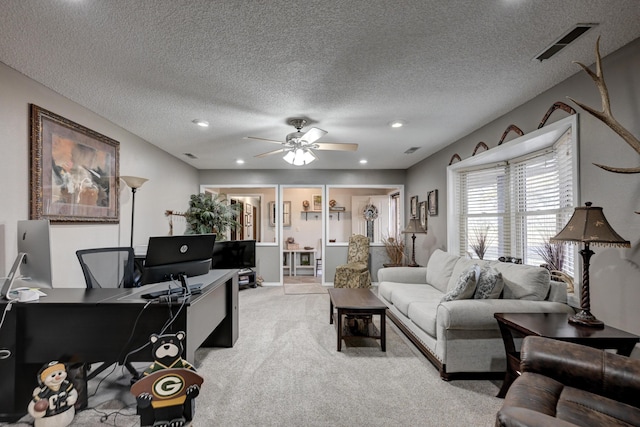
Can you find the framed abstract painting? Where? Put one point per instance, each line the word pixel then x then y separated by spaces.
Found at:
pixel 74 171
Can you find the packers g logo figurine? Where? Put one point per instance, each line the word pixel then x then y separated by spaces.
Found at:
pixel 167 391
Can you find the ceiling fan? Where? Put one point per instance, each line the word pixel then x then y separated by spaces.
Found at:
pixel 298 146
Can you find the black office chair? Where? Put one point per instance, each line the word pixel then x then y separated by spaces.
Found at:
pixel 108 267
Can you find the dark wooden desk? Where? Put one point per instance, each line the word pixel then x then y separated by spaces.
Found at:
pixel 556 326
pixel 97 325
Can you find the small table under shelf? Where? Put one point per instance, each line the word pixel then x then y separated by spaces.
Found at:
pixel 555 326
pixel 293 260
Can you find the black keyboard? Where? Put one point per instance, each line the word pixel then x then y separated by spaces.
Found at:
pixel 194 289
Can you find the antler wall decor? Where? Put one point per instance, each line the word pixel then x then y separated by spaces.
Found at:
pixel 605 115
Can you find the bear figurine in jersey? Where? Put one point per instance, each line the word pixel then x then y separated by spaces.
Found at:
pixel 167 390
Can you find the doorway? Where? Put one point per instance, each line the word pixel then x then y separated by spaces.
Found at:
pixel 301 237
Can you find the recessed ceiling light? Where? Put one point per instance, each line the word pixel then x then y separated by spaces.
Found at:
pixel 397 124
pixel 202 123
pixel 240 162
pixel 363 161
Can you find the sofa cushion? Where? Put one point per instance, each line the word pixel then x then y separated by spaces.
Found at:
pixel 465 285
pixel 523 281
pixel 439 269
pixel 423 315
pixel 403 297
pixel 387 289
pixel 489 284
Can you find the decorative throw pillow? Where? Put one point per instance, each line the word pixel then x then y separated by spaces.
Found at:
pixel 489 283
pixel 465 286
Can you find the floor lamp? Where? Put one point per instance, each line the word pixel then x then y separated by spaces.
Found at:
pixel 414 228
pixel 134 183
pixel 588 226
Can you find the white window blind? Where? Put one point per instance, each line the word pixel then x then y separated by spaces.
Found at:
pixel 514 207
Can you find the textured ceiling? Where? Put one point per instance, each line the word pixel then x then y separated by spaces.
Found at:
pixel 350 66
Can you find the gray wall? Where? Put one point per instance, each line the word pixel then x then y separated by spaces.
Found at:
pixel 615 283
pixel 171 181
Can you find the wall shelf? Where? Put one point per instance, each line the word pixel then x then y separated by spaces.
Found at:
pixel 333 211
pixel 306 214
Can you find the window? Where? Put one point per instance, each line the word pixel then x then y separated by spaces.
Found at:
pixel 511 204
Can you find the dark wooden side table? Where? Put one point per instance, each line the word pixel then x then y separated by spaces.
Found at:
pixel 356 301
pixel 556 326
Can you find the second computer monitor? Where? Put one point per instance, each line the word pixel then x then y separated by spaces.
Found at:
pixel 170 256
pixel 34 241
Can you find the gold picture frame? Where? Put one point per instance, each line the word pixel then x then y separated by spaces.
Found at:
pixel 74 171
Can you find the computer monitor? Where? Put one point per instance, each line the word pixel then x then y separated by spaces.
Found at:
pixel 168 257
pixel 13 273
pixel 234 254
pixel 34 241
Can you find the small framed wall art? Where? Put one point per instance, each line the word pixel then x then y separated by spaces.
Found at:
pixel 414 207
pixel 317 202
pixel 432 199
pixel 423 215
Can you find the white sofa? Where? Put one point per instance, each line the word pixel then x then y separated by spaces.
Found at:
pixel 461 337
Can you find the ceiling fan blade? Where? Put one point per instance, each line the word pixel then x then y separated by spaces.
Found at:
pixel 263 139
pixel 313 134
pixel 270 153
pixel 336 146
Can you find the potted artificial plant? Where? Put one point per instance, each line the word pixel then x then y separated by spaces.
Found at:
pixel 211 213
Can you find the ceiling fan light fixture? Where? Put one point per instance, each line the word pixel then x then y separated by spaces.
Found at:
pixel 308 157
pixel 299 157
pixel 289 157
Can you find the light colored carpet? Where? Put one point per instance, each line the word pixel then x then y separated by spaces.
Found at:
pixel 285 371
pixel 302 279
pixel 301 289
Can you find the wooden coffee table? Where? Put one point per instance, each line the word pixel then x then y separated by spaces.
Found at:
pixel 556 326
pixel 356 301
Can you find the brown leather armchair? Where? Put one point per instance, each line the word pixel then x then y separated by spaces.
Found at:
pixel 566 384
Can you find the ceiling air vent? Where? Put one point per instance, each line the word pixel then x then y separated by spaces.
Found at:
pixel 189 155
pixel 564 41
pixel 412 150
